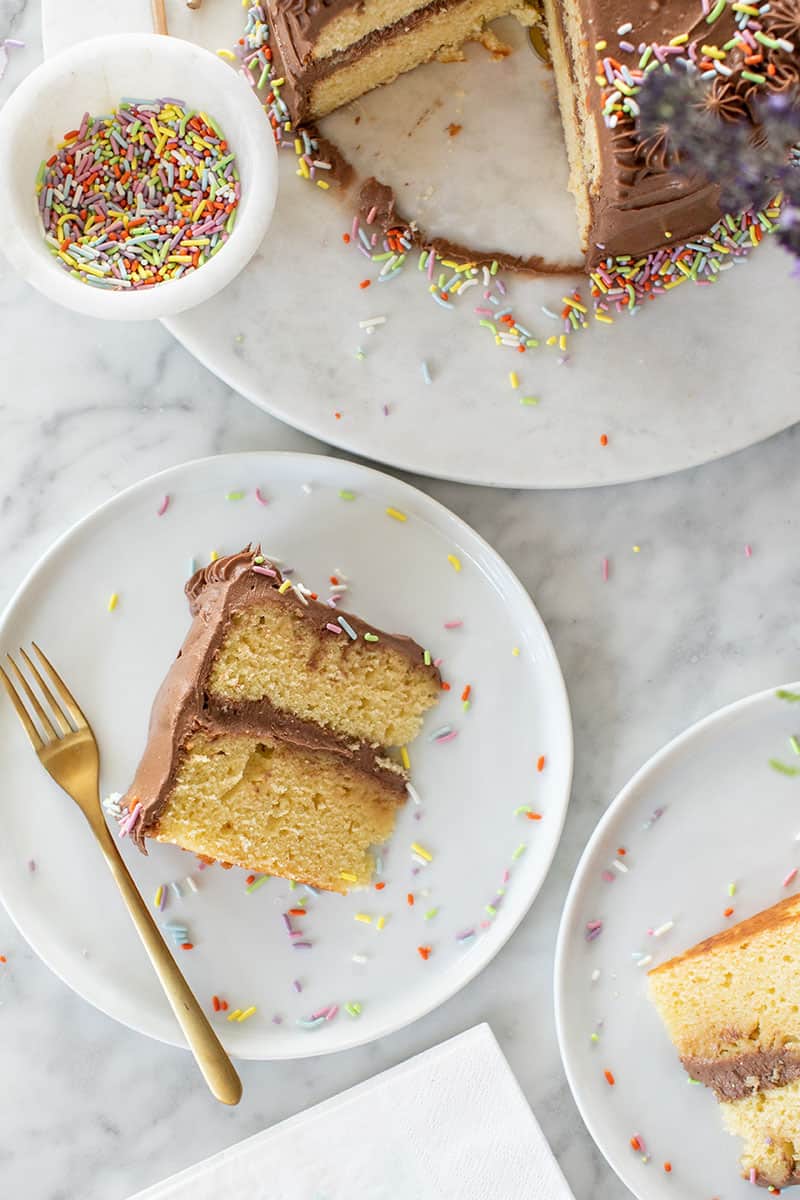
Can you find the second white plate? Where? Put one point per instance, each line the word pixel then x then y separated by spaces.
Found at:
pixel 706 816
pixel 488 858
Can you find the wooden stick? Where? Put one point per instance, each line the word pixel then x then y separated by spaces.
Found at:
pixel 159 16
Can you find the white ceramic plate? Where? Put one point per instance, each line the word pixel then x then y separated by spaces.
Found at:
pixel 400 578
pixel 665 387
pixel 728 818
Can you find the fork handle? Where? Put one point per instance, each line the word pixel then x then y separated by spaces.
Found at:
pixel 212 1059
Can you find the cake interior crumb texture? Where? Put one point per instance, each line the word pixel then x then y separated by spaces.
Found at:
pixel 400 48
pixel 731 1006
pixel 373 693
pixel 277 809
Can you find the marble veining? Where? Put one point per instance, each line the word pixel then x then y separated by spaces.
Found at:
pixel 92 1111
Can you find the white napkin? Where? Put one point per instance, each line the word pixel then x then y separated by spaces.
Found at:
pixel 450 1124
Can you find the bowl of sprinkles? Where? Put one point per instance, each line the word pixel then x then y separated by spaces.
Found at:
pixel 137 177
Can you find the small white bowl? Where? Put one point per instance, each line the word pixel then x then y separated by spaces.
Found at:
pixel 93 77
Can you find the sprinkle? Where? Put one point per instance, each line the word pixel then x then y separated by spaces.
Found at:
pixel 348 628
pixel 453 624
pixel 266 571
pixel 260 497
pixel 465 935
pixel 609 1078
pixel 791 697
pixel 783 768
pixel 662 929
pixel 620 866
pixel 790 878
pixel 513 379
pixel 380 923
pixel 645 960
pixel 593 930
pixel 235 495
pixel 731 889
pixel 163 506
pixel 540 763
pixel 371 637
pixel 405 760
pixel 285 586
pixel 348 876
pixel 314 1023
pixel 253 887
pixel 344 495
pixel 364 918
pixel 604 570
pixel 515 651
pixel 333 628
pixel 247 1014
pixel 728 912
pixel 113 601
pixel 529 401
pixel 160 898
pixel 668 1165
pixel 421 852
pixel 455 563
pixel 518 853
pixel 795 744
pixel 301 945
pixel 170 210
pixel 396 515
pixel 426 374
pixel 424 952
pixel 603 439
pixel 430 914
pixel 353 1008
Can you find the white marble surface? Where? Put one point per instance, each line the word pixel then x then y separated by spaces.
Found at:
pixel 93 1112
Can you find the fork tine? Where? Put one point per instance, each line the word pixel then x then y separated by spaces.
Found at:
pixel 22 713
pixel 34 700
pixel 66 695
pixel 56 708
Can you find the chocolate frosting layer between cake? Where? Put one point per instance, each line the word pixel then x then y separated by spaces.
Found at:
pixel 738 1075
pixel 183 707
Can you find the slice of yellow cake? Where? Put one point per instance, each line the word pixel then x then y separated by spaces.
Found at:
pixel 731 1005
pixel 270 738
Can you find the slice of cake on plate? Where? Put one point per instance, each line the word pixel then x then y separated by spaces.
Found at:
pixel 731 1005
pixel 270 737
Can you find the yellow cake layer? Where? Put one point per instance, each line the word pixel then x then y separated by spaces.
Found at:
pixel 737 992
pixel 279 810
pixel 362 690
pixel 402 50
pixel 565 32
pixel 769 1123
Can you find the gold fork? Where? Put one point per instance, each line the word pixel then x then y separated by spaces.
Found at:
pixel 71 756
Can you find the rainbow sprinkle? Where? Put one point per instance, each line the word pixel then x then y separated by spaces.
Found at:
pixel 138 197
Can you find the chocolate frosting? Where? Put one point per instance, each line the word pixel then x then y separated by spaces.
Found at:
pixel 183 707
pixel 732 1077
pixel 377 200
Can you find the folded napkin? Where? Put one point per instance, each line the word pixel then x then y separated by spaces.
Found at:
pixel 450 1124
